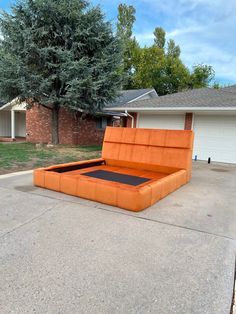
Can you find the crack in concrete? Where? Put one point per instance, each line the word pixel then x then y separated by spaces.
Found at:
pixel 27 222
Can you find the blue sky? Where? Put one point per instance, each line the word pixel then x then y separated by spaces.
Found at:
pixel 204 29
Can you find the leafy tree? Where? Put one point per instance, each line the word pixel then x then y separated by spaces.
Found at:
pixel 161 67
pixel 148 65
pixel 59 53
pixel 201 76
pixel 126 19
pixel 216 85
pixel 173 51
pixel 159 37
pixel 154 69
pixel 174 78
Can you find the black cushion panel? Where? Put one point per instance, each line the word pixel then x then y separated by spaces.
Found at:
pixel 116 177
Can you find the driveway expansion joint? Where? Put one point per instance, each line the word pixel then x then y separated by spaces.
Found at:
pixel 28 221
pixel 98 206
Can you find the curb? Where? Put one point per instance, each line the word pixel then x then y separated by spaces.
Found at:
pixel 14 174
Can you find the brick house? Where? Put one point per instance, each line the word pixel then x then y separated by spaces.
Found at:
pixel 35 124
pixel 73 129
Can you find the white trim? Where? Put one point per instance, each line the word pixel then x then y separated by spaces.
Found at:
pixel 13 124
pixel 186 109
pixel 11 103
pixel 153 90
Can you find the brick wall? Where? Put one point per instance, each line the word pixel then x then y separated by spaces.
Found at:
pixel 73 129
pixel 188 121
pixel 86 131
pixel 38 124
pixel 67 125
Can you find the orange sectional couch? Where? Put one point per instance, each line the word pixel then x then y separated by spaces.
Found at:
pixel 138 167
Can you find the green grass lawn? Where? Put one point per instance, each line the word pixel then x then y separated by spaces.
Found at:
pixel 23 156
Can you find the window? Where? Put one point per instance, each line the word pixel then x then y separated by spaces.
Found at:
pixel 101 123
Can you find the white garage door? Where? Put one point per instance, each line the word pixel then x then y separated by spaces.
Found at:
pixel 215 137
pixel 161 121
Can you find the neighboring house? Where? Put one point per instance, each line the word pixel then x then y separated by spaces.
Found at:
pixel 211 113
pixel 128 96
pixel 35 124
pixel 12 120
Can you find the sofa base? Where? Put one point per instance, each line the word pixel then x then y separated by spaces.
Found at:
pixel 72 179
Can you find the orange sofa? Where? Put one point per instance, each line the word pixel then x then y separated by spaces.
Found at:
pixel 138 167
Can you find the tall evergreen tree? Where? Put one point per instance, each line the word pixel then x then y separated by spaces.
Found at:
pixel 125 22
pixel 173 50
pixel 159 37
pixel 59 53
pixel 126 19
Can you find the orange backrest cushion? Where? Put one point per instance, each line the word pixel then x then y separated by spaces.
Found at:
pixel 169 148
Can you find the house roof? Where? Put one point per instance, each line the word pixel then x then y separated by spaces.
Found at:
pixel 195 98
pixel 230 89
pixel 129 95
pixel 13 104
pixel 125 96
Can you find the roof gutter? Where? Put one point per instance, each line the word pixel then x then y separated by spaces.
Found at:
pixel 173 109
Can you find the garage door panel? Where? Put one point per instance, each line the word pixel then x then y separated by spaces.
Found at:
pixel 215 137
pixel 154 121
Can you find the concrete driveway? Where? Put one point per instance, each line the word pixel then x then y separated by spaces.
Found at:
pixel 61 254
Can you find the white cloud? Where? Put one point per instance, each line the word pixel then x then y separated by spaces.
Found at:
pixel 183 31
pixel 172 34
pixel 144 37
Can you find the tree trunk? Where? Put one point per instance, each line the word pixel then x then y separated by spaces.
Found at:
pixel 55 115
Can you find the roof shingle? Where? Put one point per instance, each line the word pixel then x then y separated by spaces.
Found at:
pixel 195 98
pixel 230 89
pixel 127 96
